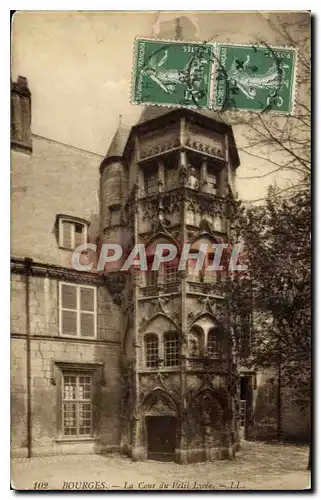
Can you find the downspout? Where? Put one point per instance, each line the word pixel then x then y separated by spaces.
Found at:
pixel 279 394
pixel 28 264
pixel 279 404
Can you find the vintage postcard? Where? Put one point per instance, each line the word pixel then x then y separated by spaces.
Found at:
pixel 160 251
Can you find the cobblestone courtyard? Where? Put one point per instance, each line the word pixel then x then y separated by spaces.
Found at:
pixel 258 466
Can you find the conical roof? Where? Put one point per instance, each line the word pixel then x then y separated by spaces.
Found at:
pixel 118 143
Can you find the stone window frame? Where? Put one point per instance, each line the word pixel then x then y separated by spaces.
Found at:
pixel 215 344
pixel 160 169
pixel 161 350
pixel 150 173
pixel 170 273
pixel 211 179
pixel 73 221
pixel 78 402
pixel 167 274
pixel 77 309
pixel 151 337
pixel 168 339
pixel 202 275
pixel 96 371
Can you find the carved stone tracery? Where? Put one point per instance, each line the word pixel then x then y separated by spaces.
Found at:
pixel 115 282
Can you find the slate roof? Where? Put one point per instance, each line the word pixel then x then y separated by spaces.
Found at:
pixel 151 112
pixel 118 142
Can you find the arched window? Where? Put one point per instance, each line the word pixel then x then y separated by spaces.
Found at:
pixel 215 343
pixel 151 351
pixel 171 349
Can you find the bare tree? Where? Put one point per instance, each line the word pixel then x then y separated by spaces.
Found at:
pixel 282 143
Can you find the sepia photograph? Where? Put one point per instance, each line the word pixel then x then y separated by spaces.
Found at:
pixel 160 227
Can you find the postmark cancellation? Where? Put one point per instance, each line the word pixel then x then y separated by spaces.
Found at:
pixel 254 78
pixel 172 73
pixel 214 75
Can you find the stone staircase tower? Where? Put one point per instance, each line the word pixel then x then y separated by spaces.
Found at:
pixel 172 174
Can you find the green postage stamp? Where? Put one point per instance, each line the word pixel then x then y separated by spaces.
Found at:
pixel 172 73
pixel 254 78
pixel 214 75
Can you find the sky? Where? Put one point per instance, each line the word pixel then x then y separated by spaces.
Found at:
pixel 79 66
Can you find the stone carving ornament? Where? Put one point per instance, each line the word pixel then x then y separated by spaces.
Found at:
pixel 115 282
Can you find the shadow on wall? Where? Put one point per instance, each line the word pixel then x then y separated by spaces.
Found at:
pixel 264 424
pixel 294 418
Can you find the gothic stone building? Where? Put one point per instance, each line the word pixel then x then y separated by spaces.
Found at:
pixel 138 362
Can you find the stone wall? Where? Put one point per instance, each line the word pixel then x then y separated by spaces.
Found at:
pixel 294 418
pixel 55 179
pixel 48 351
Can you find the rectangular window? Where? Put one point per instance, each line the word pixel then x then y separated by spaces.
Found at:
pixel 151 182
pixel 171 349
pixel 171 274
pixel 71 234
pixel 77 310
pixel 151 351
pixel 67 228
pixel 194 274
pixel 211 180
pixel 210 276
pixel 171 177
pixel 76 404
pixel 79 234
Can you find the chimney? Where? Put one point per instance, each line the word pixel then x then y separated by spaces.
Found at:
pixel 21 116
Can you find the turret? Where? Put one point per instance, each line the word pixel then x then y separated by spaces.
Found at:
pixel 113 189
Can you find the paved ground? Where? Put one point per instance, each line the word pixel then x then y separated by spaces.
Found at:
pixel 258 466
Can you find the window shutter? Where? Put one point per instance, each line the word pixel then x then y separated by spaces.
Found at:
pixel 87 325
pixel 69 322
pixel 87 299
pixel 67 234
pixel 68 296
pixel 68 318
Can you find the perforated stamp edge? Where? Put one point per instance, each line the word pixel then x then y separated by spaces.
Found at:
pixel 216 65
pixel 132 98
